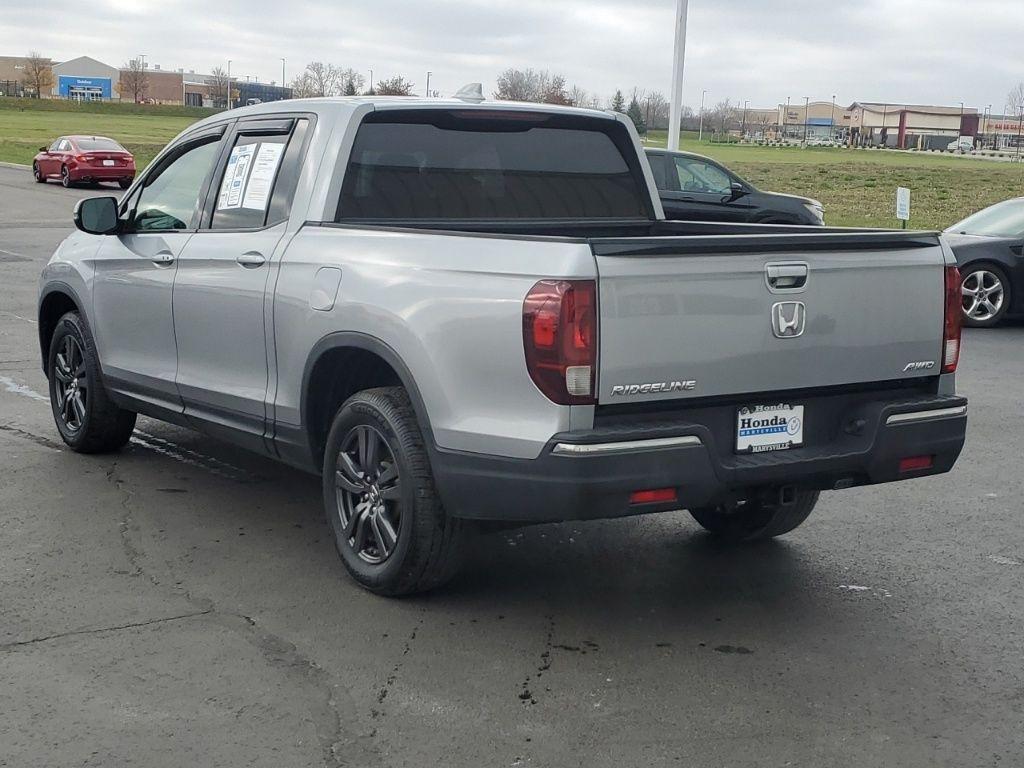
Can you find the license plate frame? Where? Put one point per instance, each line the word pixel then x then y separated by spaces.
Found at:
pixel 109 163
pixel 770 427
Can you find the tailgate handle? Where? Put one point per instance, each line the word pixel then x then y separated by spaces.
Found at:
pixel 786 277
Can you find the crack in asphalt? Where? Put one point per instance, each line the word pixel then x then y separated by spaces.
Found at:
pixel 98 630
pixel 26 435
pixel 526 696
pixel 389 683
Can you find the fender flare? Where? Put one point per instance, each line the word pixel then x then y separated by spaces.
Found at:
pixel 365 342
pixel 50 288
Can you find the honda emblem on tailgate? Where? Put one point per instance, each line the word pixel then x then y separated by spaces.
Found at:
pixel 788 319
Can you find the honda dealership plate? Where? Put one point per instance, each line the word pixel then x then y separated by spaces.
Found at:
pixel 762 428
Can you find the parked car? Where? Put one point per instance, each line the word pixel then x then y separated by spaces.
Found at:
pixel 74 159
pixel 963 144
pixel 455 311
pixel 696 188
pixel 989 247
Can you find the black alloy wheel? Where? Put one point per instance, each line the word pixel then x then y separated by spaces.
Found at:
pixel 369 494
pixel 71 386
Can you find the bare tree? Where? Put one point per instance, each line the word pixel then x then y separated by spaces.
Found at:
pixel 38 75
pixel 1015 99
pixel 554 91
pixel 324 78
pixel 134 81
pixel 721 116
pixel 656 109
pixel 302 86
pixel 219 85
pixel 352 82
pixel 578 97
pixel 521 85
pixel 395 86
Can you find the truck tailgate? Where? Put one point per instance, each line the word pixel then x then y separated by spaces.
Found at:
pixel 688 317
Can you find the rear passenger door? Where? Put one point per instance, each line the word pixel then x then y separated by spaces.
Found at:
pixel 220 290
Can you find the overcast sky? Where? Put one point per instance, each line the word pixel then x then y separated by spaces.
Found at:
pixel 918 51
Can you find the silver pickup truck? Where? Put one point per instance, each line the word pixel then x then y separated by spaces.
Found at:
pixel 458 311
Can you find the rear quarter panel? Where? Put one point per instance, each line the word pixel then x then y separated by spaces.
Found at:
pixel 450 307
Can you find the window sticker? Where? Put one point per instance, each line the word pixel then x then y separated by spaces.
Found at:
pixel 261 178
pixel 235 176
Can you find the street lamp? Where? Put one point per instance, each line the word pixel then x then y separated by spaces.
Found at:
pixel 700 132
pixel 282 73
pixel 142 58
pixel 371 82
pixel 427 90
pixel 743 128
pixel 832 123
pixel 227 96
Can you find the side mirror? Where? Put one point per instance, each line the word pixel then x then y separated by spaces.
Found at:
pixel 44 149
pixel 737 190
pixel 97 215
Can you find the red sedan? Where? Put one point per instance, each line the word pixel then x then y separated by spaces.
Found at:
pixel 75 159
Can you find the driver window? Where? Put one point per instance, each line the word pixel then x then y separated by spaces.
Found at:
pixel 699 176
pixel 170 200
pixel 65 146
pixel 55 147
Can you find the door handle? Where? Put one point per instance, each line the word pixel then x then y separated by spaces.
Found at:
pixel 251 259
pixel 786 276
pixel 163 258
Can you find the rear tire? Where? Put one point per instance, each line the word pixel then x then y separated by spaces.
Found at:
pixel 756 519
pixel 65 177
pixel 124 183
pixel 390 529
pixel 87 419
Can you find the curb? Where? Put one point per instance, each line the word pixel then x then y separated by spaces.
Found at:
pixel 16 166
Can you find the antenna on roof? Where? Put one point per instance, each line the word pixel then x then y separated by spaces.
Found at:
pixel 472 92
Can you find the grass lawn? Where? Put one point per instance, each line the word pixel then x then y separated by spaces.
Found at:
pixel 858 187
pixel 27 124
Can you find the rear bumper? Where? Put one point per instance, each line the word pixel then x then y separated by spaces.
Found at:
pixel 91 173
pixel 592 474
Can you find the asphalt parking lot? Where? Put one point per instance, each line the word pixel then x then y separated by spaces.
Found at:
pixel 181 603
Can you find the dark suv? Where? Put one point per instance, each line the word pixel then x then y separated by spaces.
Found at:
pixel 696 188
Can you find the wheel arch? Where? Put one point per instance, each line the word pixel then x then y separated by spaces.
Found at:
pixel 56 300
pixel 338 366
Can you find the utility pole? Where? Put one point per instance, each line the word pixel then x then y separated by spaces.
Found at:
pixel 678 59
pixel 1020 126
pixel 700 132
pixel 807 109
pixel 427 90
pixel 960 131
pixel 142 58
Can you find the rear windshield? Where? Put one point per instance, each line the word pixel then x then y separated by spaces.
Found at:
pixel 96 144
pixel 1004 219
pixel 422 164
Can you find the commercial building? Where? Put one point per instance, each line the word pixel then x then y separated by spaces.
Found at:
pixel 85 79
pixel 910 126
pixel 815 121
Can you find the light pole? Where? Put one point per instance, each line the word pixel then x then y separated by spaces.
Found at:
pixel 743 128
pixel 832 123
pixel 785 122
pixel 700 132
pixel 675 112
pixel 885 118
pixel 427 90
pixel 142 58
pixel 960 131
pixel 371 82
pixel 807 109
pixel 282 72
pixel 227 96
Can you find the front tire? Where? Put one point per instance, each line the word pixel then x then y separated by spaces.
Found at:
pixel 88 421
pixel 37 174
pixel 390 529
pixel 756 519
pixel 986 295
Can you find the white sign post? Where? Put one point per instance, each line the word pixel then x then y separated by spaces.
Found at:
pixel 903 205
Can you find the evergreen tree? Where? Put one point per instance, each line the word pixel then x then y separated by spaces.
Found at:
pixel 636 114
pixel 618 102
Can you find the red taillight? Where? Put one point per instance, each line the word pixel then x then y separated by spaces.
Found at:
pixel 560 339
pixel 82 159
pixel 953 321
pixel 916 463
pixel 655 496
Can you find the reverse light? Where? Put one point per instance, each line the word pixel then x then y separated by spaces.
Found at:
pixel 916 463
pixel 953 321
pixel 560 339
pixel 653 496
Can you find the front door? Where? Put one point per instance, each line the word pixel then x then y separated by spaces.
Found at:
pixel 220 289
pixel 135 271
pixel 702 192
